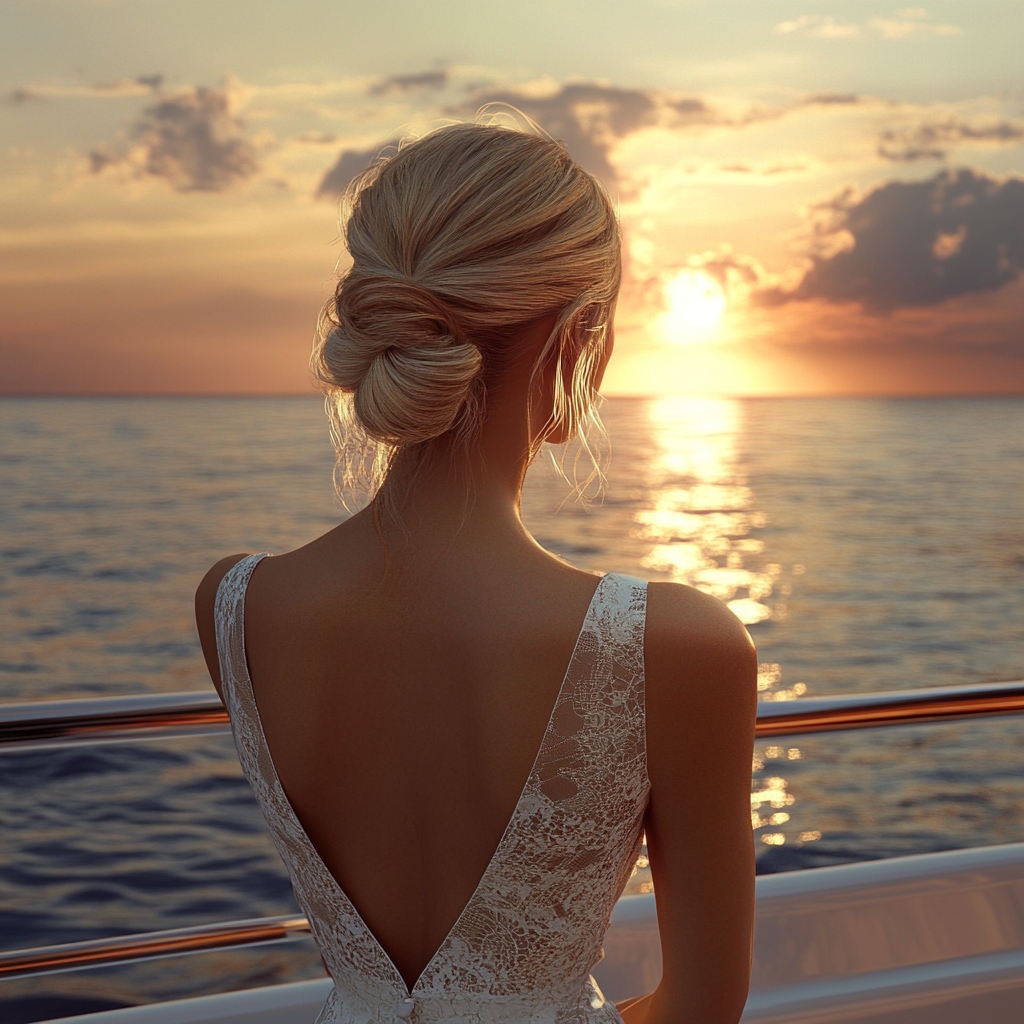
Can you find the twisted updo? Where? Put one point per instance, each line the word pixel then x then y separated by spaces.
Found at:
pixel 461 238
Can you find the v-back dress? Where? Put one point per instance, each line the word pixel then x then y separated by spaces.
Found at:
pixel 526 942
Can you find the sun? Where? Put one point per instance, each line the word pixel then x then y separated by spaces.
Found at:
pixel 695 304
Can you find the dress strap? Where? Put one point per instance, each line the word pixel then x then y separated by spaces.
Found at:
pixel 630 635
pixel 229 621
pixel 612 656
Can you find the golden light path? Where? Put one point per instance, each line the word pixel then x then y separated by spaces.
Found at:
pixel 701 514
pixel 701 524
pixel 695 304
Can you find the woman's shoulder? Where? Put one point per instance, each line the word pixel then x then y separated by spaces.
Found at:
pixel 696 653
pixel 206 592
pixel 206 600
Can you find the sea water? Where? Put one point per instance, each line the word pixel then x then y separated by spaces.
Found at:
pixel 869 544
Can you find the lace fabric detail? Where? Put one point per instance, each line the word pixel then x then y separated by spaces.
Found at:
pixel 526 942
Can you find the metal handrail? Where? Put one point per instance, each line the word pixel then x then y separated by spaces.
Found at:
pixel 144 716
pixel 72 956
pixel 898 707
pixel 154 716
pixel 162 715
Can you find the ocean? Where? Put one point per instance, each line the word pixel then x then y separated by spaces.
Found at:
pixel 870 544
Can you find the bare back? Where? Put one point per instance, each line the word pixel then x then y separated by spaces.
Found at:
pixel 404 719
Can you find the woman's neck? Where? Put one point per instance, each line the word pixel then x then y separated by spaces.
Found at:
pixel 444 495
pixel 439 498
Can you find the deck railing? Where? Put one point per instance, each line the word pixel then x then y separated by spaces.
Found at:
pixel 154 716
pixel 158 716
pixel 72 956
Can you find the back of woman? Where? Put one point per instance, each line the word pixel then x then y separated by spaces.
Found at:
pixel 457 738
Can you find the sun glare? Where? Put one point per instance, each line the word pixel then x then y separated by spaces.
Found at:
pixel 695 304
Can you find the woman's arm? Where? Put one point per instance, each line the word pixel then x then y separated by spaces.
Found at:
pixel 701 673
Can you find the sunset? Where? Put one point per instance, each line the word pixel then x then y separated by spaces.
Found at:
pixel 812 203
pixel 510 513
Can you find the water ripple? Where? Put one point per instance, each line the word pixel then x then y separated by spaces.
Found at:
pixel 869 544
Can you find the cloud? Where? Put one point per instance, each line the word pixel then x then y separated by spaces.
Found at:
pixel 738 276
pixel 192 140
pixel 906 27
pixel 824 26
pixel 407 83
pixel 143 85
pixel 834 99
pixel 25 94
pixel 930 141
pixel 588 117
pixel 316 139
pixel 907 244
pixel 350 162
pixel 907 23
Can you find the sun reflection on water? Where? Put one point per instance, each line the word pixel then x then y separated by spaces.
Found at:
pixel 702 506
pixel 700 524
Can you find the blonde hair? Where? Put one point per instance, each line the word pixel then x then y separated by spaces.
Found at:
pixel 459 240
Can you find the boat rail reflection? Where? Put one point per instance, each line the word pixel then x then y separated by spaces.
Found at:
pixel 154 716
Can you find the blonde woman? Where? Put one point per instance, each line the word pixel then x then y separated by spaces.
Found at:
pixel 457 738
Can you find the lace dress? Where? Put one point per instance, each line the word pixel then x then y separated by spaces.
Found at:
pixel 526 942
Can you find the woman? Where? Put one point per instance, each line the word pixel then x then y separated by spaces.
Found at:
pixel 457 809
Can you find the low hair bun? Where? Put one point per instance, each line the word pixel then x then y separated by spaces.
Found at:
pixel 397 350
pixel 414 394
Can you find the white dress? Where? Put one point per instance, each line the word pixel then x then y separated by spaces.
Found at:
pixel 526 942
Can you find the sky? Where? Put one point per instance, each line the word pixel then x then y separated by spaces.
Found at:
pixel 816 198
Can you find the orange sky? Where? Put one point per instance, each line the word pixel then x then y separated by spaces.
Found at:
pixel 802 220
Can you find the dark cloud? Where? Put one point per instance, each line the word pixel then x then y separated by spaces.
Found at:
pixel 908 244
pixel 25 94
pixel 765 171
pixel 191 140
pixel 833 99
pixel 930 141
pixel 731 270
pixel 317 138
pixel 119 87
pixel 407 83
pixel 350 162
pixel 586 116
pixel 589 117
